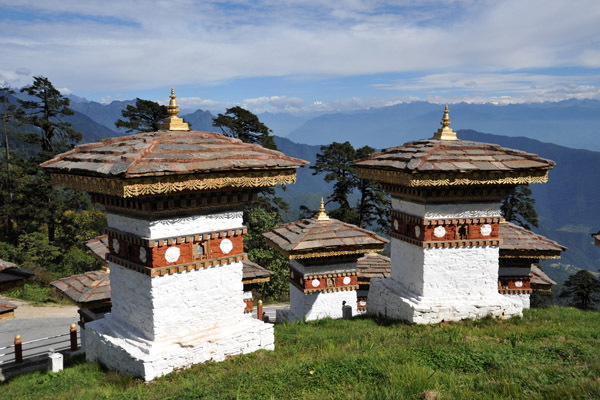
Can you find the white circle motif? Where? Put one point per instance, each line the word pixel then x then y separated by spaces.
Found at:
pixel 116 245
pixel 172 254
pixel 226 246
pixel 417 231
pixel 396 224
pixel 292 274
pixel 315 282
pixel 362 303
pixel 486 230
pixel 346 280
pixel 519 284
pixel 439 231
pixel 143 254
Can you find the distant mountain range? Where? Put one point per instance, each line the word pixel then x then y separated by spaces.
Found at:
pixel 567 205
pixel 571 123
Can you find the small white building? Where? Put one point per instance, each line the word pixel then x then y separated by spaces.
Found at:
pixel 446 196
pixel 323 255
pixel 174 203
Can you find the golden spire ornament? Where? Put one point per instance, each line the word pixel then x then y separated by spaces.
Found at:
pixel 173 122
pixel 445 132
pixel 321 216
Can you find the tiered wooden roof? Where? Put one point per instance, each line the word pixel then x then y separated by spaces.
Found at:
pixel 10 272
pixel 518 242
pixel 596 237
pixel 373 265
pixel 539 278
pixel 322 237
pixel 85 288
pixel 165 162
pixel 444 160
pixel 254 273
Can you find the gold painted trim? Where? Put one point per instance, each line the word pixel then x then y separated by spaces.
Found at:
pixel 452 179
pixel 333 253
pixel 531 254
pixel 168 184
pixel 256 280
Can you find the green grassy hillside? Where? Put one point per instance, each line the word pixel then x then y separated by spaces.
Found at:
pixel 549 354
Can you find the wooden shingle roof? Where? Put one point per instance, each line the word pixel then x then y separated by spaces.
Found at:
pixel 445 160
pixel 538 277
pixel 423 162
pixel 164 162
pixel 310 238
pixel 596 237
pixel 373 265
pixel 168 153
pixel 520 242
pixel 85 288
pixel 254 273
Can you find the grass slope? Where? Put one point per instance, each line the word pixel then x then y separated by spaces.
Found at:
pixel 549 354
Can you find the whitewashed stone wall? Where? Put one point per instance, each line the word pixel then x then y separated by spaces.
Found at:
pixel 524 298
pixel 436 284
pixel 168 227
pixel 163 323
pixel 449 210
pixel 319 305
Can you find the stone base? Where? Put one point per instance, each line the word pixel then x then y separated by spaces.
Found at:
pixel 282 315
pixel 390 299
pixel 119 350
pixel 523 298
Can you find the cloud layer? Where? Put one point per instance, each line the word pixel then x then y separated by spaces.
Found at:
pixel 450 49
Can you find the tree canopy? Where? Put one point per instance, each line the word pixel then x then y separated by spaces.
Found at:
pixel 242 124
pixel 145 116
pixel 335 161
pixel 45 109
pixel 519 207
pixel 583 289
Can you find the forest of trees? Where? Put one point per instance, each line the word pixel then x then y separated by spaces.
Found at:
pixel 45 228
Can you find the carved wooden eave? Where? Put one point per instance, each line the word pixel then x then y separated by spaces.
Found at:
pixel 171 184
pixel 478 178
pixel 531 254
pixel 323 253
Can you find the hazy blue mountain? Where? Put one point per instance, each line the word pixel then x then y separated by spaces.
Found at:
pixel 566 204
pixel 282 123
pixel 91 130
pixel 571 123
pixel 201 121
pixel 104 114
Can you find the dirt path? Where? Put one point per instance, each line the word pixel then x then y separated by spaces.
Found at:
pixel 27 311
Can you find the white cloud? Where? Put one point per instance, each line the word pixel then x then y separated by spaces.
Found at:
pixel 138 45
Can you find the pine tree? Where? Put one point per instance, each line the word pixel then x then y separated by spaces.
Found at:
pixel 244 125
pixel 45 110
pixel 519 207
pixel 335 161
pixel 145 116
pixel 583 289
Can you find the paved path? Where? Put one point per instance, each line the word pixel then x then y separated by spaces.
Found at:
pixel 36 322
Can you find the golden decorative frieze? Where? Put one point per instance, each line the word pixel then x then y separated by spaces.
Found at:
pixel 323 254
pixel 453 179
pixel 150 186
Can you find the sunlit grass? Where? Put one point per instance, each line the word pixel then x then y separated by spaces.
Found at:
pixel 549 354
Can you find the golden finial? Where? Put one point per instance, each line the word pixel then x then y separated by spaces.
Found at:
pixel 173 122
pixel 321 216
pixel 445 132
pixel 73 327
pixel 17 338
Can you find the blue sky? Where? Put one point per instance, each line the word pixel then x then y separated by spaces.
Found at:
pixel 305 56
